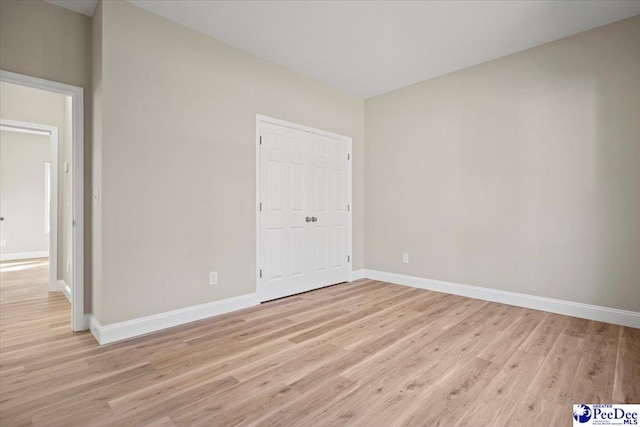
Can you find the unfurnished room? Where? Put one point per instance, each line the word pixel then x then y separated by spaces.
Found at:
pixel 319 213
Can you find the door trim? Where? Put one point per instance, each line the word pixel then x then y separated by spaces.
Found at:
pixel 52 133
pixel 79 322
pixel 266 119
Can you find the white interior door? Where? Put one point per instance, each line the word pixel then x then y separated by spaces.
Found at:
pixel 304 217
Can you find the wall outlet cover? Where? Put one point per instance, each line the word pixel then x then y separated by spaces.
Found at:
pixel 213 278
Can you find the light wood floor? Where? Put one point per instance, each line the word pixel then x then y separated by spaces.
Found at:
pixel 364 353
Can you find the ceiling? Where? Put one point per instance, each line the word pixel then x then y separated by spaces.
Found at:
pixel 85 7
pixel 371 47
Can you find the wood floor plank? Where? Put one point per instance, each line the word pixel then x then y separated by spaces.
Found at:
pixel 595 372
pixel 357 355
pixel 627 378
pixel 533 411
pixel 303 412
pixel 555 378
pixel 360 354
pixel 544 336
pixel 497 400
pixel 448 400
pixel 512 336
pixel 161 422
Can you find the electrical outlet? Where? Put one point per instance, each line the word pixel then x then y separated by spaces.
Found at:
pixel 213 278
pixel 405 258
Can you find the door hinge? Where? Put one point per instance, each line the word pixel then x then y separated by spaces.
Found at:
pixel 261 274
pixel 348 156
pixel 348 258
pixel 348 208
pixel 260 206
pixel 260 139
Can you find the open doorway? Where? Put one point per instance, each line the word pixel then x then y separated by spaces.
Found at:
pixel 29 191
pixel 41 203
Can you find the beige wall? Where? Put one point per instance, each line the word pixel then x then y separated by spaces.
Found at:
pixel 520 174
pixel 22 192
pixel 25 104
pixel 178 160
pixel 96 161
pixel 42 40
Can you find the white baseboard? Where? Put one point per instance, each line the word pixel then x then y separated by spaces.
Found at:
pixel 144 325
pixel 569 308
pixel 23 255
pixel 64 288
pixel 357 274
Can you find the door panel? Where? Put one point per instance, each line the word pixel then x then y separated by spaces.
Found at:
pixel 337 246
pixel 323 183
pixel 297 187
pixel 303 175
pixel 322 248
pixel 298 242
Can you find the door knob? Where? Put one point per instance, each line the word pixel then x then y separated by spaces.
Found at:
pixel 308 219
pixel 1 218
pixel 314 219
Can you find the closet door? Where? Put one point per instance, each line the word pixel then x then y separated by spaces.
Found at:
pixel 304 214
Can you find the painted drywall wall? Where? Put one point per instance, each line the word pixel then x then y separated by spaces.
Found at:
pixel 96 161
pixel 25 104
pixel 41 40
pixel 520 174
pixel 22 192
pixel 177 192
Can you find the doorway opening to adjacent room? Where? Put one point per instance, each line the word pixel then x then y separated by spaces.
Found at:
pixel 303 208
pixel 29 194
pixel 63 182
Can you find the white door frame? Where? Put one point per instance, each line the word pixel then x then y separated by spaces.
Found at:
pixel 266 119
pixel 52 133
pixel 79 321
